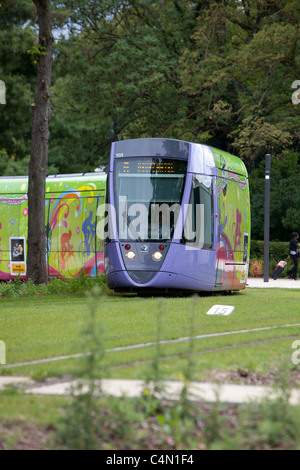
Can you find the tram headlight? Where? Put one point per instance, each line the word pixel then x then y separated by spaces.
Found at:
pixel 130 254
pixel 157 256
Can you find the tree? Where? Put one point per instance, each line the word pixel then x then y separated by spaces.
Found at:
pixel 239 75
pixel 41 112
pixel 117 76
pixel 285 198
pixel 18 72
pixel 217 72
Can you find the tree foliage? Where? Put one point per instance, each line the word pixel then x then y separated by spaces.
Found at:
pixel 18 72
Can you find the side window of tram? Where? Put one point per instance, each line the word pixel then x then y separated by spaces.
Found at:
pixel 106 236
pixel 199 222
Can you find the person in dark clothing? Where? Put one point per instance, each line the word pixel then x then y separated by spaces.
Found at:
pixel 294 255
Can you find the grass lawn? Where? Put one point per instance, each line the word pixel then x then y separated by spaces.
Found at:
pixel 43 327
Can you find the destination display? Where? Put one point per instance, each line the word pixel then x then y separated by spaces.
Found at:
pixel 154 166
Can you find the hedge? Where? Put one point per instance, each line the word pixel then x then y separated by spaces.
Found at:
pixel 278 250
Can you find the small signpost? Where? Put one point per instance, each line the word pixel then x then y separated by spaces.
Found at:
pixel 267 217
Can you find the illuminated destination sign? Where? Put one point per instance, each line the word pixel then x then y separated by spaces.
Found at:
pixel 153 166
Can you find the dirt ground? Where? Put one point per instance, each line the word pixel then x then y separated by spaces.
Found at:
pixel 19 435
pixel 252 378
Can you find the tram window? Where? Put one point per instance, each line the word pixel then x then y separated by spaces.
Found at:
pixel 155 185
pixel 198 230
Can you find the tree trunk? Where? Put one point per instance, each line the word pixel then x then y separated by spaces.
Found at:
pixel 41 112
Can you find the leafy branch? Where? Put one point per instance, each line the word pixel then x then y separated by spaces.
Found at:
pixel 36 52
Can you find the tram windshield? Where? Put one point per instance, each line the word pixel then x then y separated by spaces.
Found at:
pixel 148 193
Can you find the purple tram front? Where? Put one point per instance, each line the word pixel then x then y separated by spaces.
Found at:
pixel 178 218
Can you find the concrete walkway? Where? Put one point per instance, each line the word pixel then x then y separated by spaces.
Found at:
pixel 278 284
pixel 8 381
pixel 204 392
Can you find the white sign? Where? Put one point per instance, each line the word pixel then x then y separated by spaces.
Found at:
pixel 220 310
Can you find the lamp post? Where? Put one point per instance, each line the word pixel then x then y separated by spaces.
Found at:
pixel 267 217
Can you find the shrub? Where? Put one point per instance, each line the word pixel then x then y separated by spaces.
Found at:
pixel 278 250
pixel 256 268
pixel 80 284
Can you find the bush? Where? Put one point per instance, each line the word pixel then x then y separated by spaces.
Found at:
pixel 80 284
pixel 278 250
pixel 256 268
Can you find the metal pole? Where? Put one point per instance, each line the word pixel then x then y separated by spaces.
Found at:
pixel 267 217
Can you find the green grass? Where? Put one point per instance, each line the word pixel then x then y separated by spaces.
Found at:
pixel 49 326
pixel 52 325
pixel 15 406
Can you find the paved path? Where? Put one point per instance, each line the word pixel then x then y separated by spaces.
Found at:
pixel 15 381
pixel 206 392
pixel 279 283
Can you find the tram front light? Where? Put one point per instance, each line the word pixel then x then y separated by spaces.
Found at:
pixel 130 254
pixel 157 256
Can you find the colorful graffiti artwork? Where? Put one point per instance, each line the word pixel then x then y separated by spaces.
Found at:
pixel 234 221
pixel 71 206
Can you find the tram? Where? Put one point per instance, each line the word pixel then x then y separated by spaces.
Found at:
pixel 178 218
pixel 73 244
